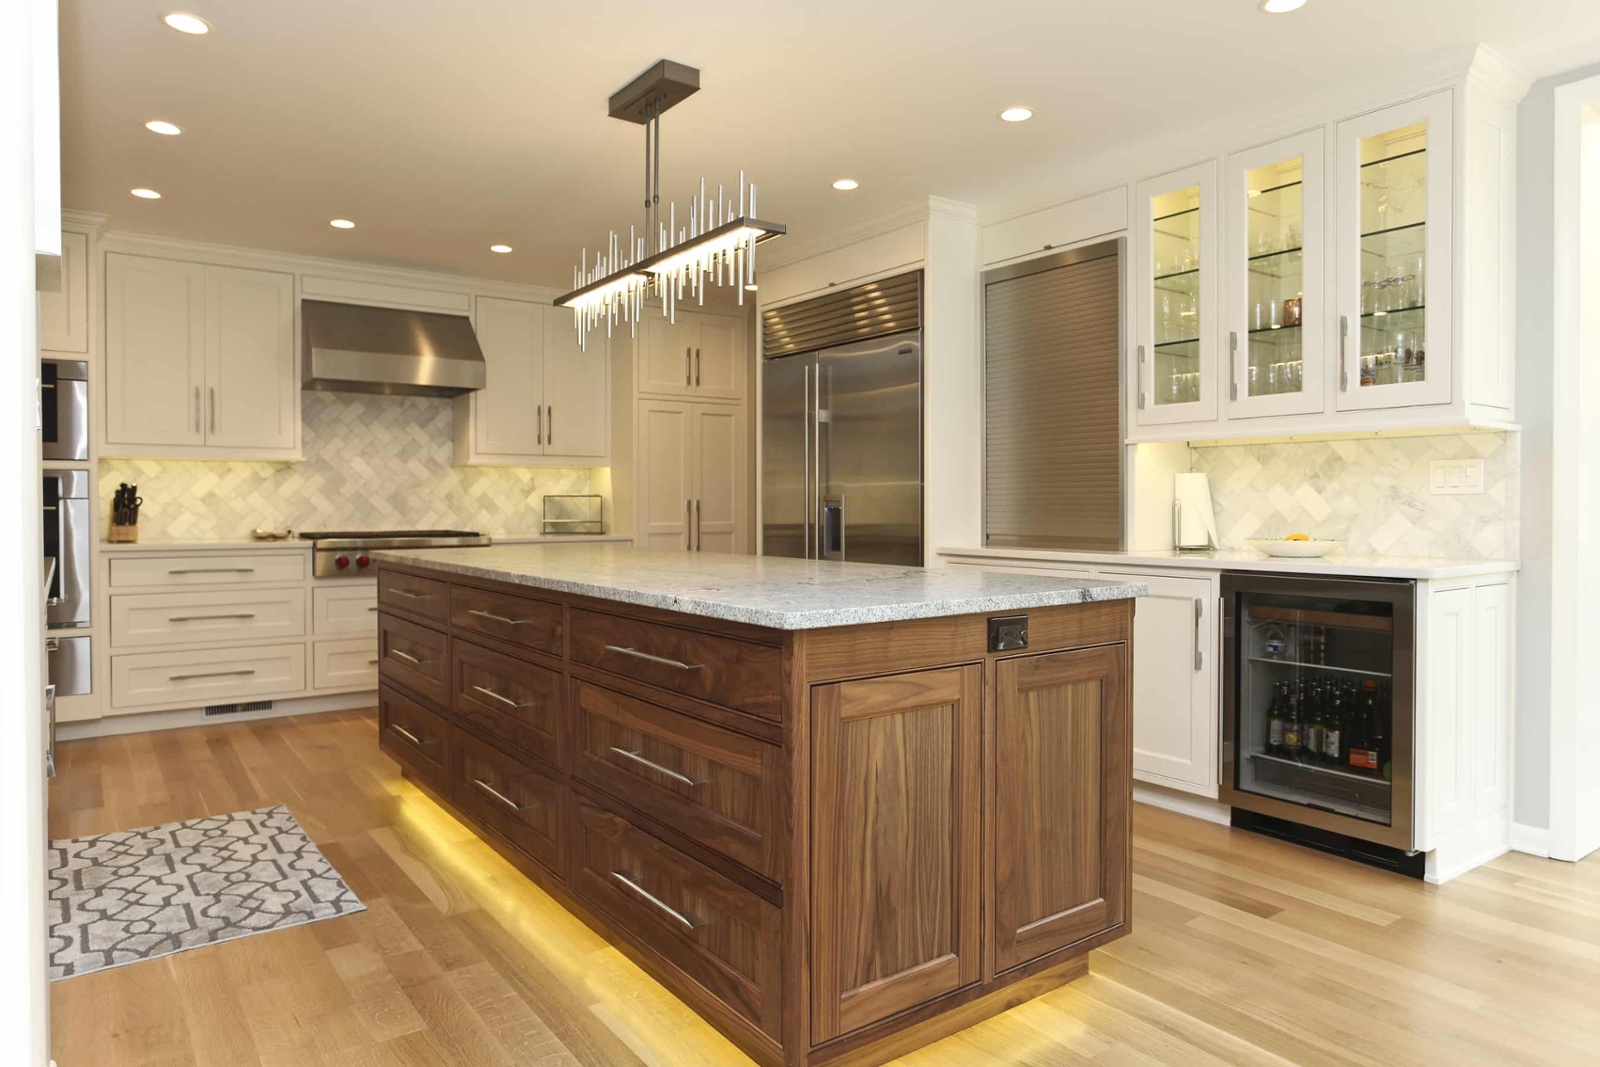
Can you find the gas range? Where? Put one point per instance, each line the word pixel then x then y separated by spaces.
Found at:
pixel 346 553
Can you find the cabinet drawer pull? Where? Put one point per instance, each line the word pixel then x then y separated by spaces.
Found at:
pixel 244 673
pixel 212 570
pixel 405 656
pixel 664 661
pixel 407 734
pixel 372 663
pixel 507 701
pixel 686 920
pixel 207 618
pixel 409 595
pixel 373 608
pixel 501 797
pixel 492 617
pixel 676 776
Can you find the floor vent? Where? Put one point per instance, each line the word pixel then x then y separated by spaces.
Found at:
pixel 235 709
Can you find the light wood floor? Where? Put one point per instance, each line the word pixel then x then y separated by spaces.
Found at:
pixel 1246 950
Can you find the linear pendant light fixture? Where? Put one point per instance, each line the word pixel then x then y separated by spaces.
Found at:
pixel 665 260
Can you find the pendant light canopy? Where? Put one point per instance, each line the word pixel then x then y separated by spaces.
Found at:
pixel 665 261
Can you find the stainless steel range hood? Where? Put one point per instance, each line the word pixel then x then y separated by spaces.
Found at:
pixel 350 348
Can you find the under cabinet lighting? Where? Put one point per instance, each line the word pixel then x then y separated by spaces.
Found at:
pixel 502 249
pixel 1281 7
pixel 1021 114
pixel 145 194
pixel 846 184
pixel 166 129
pixel 184 22
pixel 341 224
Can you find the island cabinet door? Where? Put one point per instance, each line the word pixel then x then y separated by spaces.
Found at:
pixel 1062 779
pixel 895 875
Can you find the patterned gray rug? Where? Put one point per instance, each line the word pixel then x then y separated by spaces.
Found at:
pixel 137 894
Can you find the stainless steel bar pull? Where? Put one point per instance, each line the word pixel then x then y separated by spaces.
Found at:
pixel 1233 364
pixel 211 674
pixel 1199 614
pixel 409 595
pixel 539 413
pixel 408 657
pixel 407 734
pixel 697 367
pixel 491 616
pixel 688 365
pixel 683 918
pixel 501 797
pixel 507 701
pixel 208 618
pixel 1344 366
pixel 211 400
pixel 212 570
pixel 1141 377
pixel 634 652
pixel 549 424
pixel 805 459
pixel 643 761
pixel 197 409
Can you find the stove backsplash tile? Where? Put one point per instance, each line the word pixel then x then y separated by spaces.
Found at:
pixel 372 462
pixel 1371 493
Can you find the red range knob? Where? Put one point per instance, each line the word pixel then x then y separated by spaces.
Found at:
pixel 342 562
pixel 362 561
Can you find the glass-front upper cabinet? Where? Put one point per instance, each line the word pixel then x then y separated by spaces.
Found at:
pixel 1394 260
pixel 1175 264
pixel 1275 310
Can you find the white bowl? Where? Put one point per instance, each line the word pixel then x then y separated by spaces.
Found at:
pixel 1293 549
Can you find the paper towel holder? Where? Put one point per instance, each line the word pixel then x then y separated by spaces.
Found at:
pixel 1201 527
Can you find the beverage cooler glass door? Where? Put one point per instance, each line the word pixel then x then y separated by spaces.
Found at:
pixel 1318 712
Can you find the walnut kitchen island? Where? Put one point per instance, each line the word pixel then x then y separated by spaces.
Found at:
pixel 840 809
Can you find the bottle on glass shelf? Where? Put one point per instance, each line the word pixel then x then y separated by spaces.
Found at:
pixel 1293 725
pixel 1333 731
pixel 1365 741
pixel 1276 717
pixel 1379 739
pixel 1314 725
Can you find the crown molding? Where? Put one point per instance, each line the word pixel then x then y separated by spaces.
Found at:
pixel 84 221
pixel 262 259
pixel 793 251
pixel 952 209
pixel 1497 74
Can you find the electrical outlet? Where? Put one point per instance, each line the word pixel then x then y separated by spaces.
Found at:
pixel 1454 477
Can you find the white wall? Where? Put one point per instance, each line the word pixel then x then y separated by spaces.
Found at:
pixel 952 383
pixel 1545 633
pixel 24 997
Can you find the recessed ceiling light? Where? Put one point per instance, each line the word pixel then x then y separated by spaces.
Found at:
pixel 184 22
pixel 1023 114
pixel 846 184
pixel 1281 7
pixel 166 129
pixel 341 224
pixel 145 194
pixel 502 249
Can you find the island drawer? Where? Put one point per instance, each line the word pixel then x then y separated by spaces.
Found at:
pixel 415 737
pixel 724 670
pixel 407 592
pixel 719 787
pixel 519 703
pixel 415 657
pixel 519 620
pixel 524 805
pixel 723 937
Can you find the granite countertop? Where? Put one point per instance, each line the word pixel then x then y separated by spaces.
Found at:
pixel 782 594
pixel 1334 565
pixel 234 545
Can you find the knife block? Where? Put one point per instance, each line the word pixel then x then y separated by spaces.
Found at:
pixel 123 535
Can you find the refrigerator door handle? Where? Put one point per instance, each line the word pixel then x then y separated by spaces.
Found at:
pixel 805 458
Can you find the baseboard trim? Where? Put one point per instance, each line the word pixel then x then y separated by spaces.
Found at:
pixel 1183 803
pixel 1534 840
pixel 177 720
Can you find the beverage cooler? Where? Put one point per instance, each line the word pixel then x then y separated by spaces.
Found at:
pixel 1317 723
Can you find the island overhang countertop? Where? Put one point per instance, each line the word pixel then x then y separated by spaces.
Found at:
pixel 770 591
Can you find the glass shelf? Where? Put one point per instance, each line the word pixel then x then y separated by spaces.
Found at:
pixel 1373 778
pixel 1319 667
pixel 1194 272
pixel 1408 318
pixel 1166 347
pixel 1394 158
pixel 1195 211
pixel 1271 255
pixel 1275 335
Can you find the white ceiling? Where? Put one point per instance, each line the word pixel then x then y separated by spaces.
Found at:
pixel 442 127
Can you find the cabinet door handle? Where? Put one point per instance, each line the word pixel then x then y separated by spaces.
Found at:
pixel 373 608
pixel 549 424
pixel 697 368
pixel 634 652
pixel 699 534
pixel 1199 614
pixel 1233 364
pixel 539 411
pixel 501 797
pixel 492 617
pixel 245 673
pixel 507 701
pixel 207 618
pixel 407 734
pixel 1141 377
pixel 676 776
pixel 197 409
pixel 372 663
pixel 688 365
pixel 408 657
pixel 688 525
pixel 686 920
pixel 1344 367
pixel 211 401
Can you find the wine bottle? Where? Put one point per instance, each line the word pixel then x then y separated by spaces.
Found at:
pixel 1316 724
pixel 1294 726
pixel 1275 718
pixel 1333 732
pixel 1364 754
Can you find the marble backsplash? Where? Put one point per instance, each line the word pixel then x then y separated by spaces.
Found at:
pixel 1371 493
pixel 371 462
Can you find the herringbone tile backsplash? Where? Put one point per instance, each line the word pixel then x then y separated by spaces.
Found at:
pixel 1371 493
pixel 372 462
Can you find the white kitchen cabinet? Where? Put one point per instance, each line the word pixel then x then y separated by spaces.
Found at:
pixel 345 607
pixel 200 360
pixel 206 676
pixel 545 401
pixel 1393 280
pixel 155 353
pixel 699 357
pixel 1174 681
pixel 348 664
pixel 1275 308
pixel 1176 257
pixel 1055 227
pixel 691 476
pixel 64 315
pixel 196 617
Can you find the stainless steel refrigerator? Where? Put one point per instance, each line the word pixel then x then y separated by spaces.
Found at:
pixel 841 445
